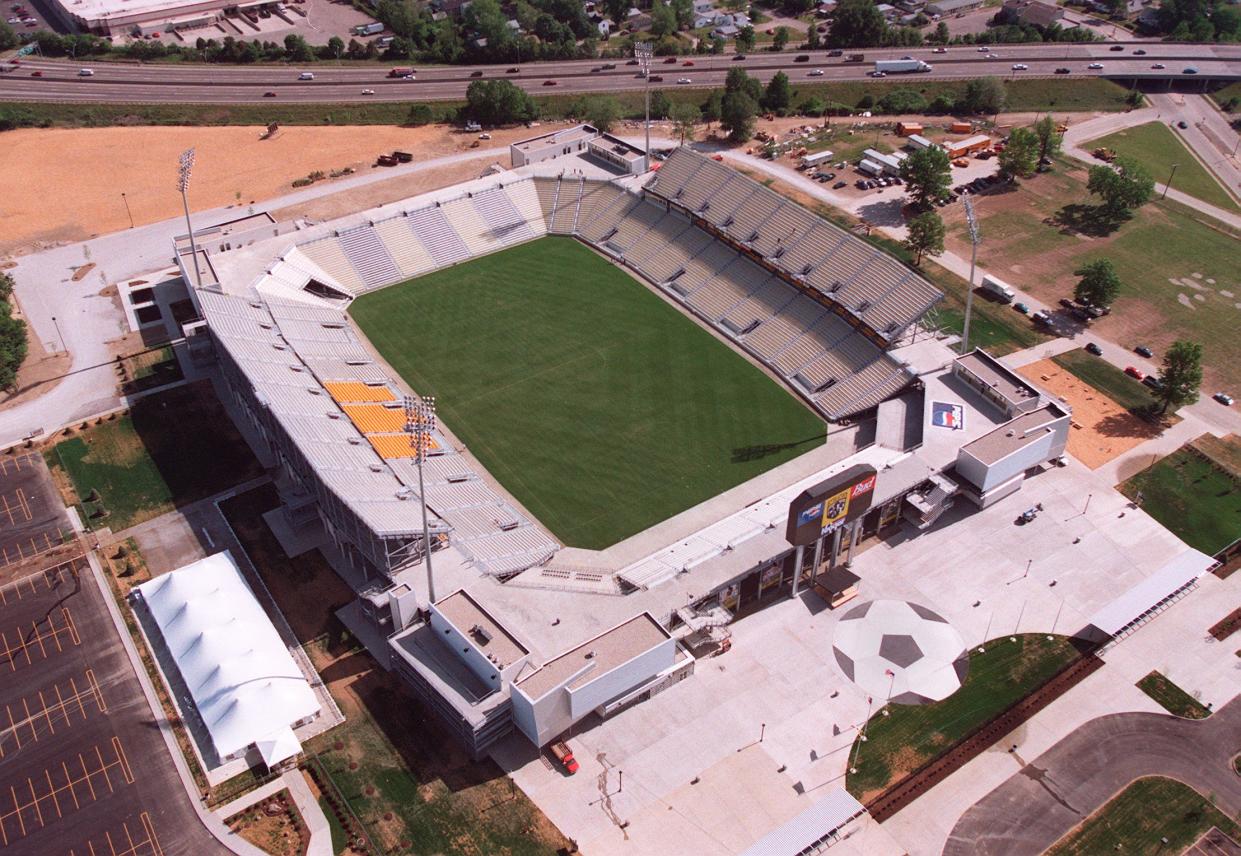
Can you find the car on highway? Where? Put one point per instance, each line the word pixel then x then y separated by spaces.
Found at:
pixel 1134 372
pixel 512 71
pixel 306 75
pixel 608 66
pixel 738 57
pixel 683 80
pixel 687 64
pixel 1223 398
pixel 1063 70
pixel 1116 48
pixel 86 72
pixel 269 94
pixel 670 61
pixel 878 74
pixel 36 74
pixel 368 91
pixel 983 49
pixel 940 50
pixel 815 72
pixel 476 73
pixel 1020 66
pixel 549 82
pixel 1159 66
pixel 1139 52
pixel 656 78
pixel 1189 69
pixel 1095 66
pixel 1092 348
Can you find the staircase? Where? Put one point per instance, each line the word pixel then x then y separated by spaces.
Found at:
pixel 928 507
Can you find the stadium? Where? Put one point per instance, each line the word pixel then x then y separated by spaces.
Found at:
pixel 637 377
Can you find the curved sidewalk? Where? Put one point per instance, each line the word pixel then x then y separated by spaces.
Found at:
pixel 1062 787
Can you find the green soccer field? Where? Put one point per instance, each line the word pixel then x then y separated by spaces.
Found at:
pixel 596 404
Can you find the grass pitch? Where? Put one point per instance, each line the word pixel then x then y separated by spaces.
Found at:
pixel 596 404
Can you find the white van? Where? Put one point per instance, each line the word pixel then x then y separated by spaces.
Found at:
pixel 86 72
pixel 306 75
pixel 998 289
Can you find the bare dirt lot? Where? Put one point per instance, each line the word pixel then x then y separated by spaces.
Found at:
pixel 1101 428
pixel 78 197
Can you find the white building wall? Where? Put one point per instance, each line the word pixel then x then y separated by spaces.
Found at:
pixel 466 650
pixel 620 680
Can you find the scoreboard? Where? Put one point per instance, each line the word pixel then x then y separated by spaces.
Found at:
pixel 827 506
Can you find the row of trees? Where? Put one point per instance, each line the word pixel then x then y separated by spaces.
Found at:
pixel 12 336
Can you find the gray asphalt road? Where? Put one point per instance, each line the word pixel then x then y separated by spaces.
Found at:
pixel 1060 788
pixel 135 83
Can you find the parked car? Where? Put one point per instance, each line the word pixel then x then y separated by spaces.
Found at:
pixel 839 185
pixel 1092 348
pixel 1067 304
pixel 1223 398
pixel 1022 308
pixel 1182 124
pixel 1153 382
pixel 1134 373
pixel 1144 351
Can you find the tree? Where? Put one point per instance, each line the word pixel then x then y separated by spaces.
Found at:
pixel 1181 375
pixel 618 10
pixel 336 47
pixel 8 38
pixel 684 11
pixel 296 49
pixel 1098 285
pixel 498 102
pixel 983 95
pixel 780 39
pixel 857 24
pixel 745 39
pixel 661 105
pixel 926 235
pixel 903 101
pixel 738 81
pixel 1020 155
pixel 779 94
pixel 1123 185
pixel 663 20
pixel 420 114
pixel 603 112
pixel 737 113
pixel 684 118
pixel 941 35
pixel 1049 137
pixel 812 38
pixel 713 107
pixel 927 174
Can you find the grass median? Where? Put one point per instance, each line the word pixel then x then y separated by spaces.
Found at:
pixel 1156 147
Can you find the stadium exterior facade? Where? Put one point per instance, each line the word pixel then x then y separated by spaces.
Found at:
pixel 532 637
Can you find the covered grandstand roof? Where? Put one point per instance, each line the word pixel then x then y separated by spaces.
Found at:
pixel 245 684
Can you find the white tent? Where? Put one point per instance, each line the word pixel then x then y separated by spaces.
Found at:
pixel 245 684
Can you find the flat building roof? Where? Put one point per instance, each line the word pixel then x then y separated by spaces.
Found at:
pixel 468 617
pixel 1014 435
pixel 557 138
pixel 1007 384
pixel 605 652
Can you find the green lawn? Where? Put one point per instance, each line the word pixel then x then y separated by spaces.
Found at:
pixel 172 448
pixel 1136 819
pixel 1105 377
pixel 600 407
pixel 1172 698
pixel 1178 270
pixel 1157 147
pixel 910 736
pixel 1188 496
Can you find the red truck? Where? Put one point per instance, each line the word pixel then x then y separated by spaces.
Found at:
pixel 565 756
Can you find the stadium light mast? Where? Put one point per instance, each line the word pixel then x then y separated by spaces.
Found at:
pixel 184 170
pixel 420 422
pixel 975 237
pixel 643 51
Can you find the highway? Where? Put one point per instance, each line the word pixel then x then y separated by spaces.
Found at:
pixel 122 82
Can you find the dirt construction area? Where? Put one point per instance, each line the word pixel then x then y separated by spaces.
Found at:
pixel 1101 429
pixel 79 197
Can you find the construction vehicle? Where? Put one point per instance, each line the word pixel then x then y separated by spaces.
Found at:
pixel 565 756
pixel 1104 154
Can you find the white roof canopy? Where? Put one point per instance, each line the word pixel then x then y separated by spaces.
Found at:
pixel 244 682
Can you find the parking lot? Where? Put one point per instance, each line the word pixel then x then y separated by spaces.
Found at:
pixel 83 770
pixel 32 518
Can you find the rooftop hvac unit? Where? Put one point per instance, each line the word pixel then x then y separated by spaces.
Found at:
pixel 479 632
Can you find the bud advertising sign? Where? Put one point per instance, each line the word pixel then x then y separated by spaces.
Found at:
pixel 830 504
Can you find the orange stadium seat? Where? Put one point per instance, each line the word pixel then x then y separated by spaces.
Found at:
pixel 375 418
pixel 396 445
pixel 352 390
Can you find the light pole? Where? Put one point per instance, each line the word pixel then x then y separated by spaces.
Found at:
pixel 1169 184
pixel 60 338
pixel 183 184
pixel 125 199
pixel 643 51
pixel 420 422
pixel 975 237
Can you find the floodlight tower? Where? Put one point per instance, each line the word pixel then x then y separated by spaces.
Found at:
pixel 643 51
pixel 975 238
pixel 420 422
pixel 183 184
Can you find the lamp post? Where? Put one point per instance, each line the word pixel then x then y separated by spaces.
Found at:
pixel 60 338
pixel 643 51
pixel 125 199
pixel 1169 184
pixel 975 237
pixel 420 422
pixel 184 170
